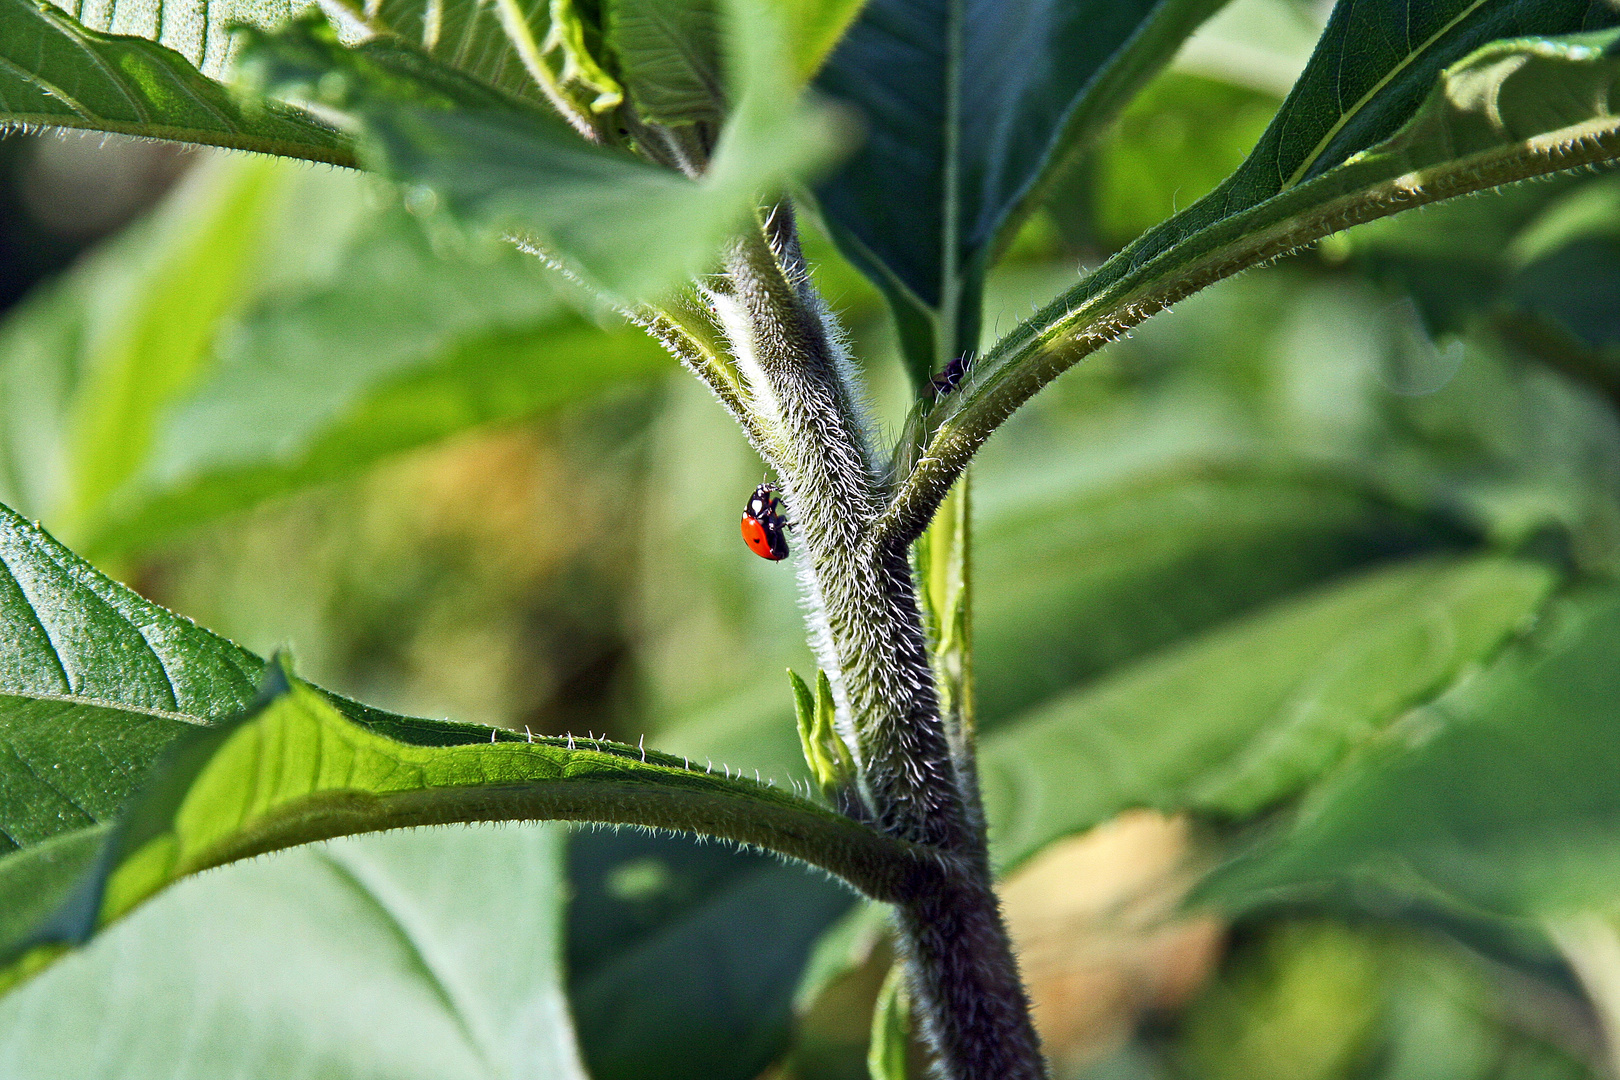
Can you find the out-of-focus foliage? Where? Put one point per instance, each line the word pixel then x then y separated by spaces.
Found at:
pixel 272 327
pixel 1533 267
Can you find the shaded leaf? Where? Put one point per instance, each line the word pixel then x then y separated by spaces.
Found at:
pixel 693 955
pixel 427 955
pixel 1538 267
pixel 1302 999
pixel 968 109
pixel 1241 718
pixel 1153 561
pixel 670 56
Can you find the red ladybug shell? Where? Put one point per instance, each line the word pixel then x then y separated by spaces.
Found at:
pixel 763 527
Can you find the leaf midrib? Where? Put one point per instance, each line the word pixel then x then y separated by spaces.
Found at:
pixel 114 706
pixel 950 297
pixel 1355 110
pixel 399 926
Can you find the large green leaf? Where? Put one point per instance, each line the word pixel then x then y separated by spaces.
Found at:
pixel 295 768
pixel 1500 793
pixel 629 228
pixel 969 107
pixel 1400 106
pixel 668 55
pixel 56 72
pixel 272 327
pixel 1235 721
pixel 428 955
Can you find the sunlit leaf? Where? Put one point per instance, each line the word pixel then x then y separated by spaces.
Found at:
pixel 55 72
pixel 294 769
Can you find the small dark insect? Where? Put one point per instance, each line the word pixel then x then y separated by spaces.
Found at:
pixel 763 527
pixel 947 380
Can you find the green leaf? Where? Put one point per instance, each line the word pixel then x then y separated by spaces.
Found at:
pixel 1155 560
pixel 969 109
pixel 629 228
pixel 670 56
pixel 1500 793
pixel 201 269
pixel 1235 721
pixel 295 769
pixel 94 682
pixel 269 329
pixel 1370 129
pixel 576 34
pixel 423 955
pixel 816 27
pixel 55 72
pixel 824 751
pixel 668 52
pixel 684 958
pixel 1298 999
pixel 891 1028
pixel 162 82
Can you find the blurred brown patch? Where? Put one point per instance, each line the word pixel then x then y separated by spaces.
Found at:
pixel 1094 921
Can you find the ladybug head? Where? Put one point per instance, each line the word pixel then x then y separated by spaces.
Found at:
pixel 763 501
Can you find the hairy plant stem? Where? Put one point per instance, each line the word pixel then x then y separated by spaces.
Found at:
pixel 868 632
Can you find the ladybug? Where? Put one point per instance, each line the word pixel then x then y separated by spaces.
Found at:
pixel 763 528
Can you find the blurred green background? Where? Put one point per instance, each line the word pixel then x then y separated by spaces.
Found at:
pixel 309 411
